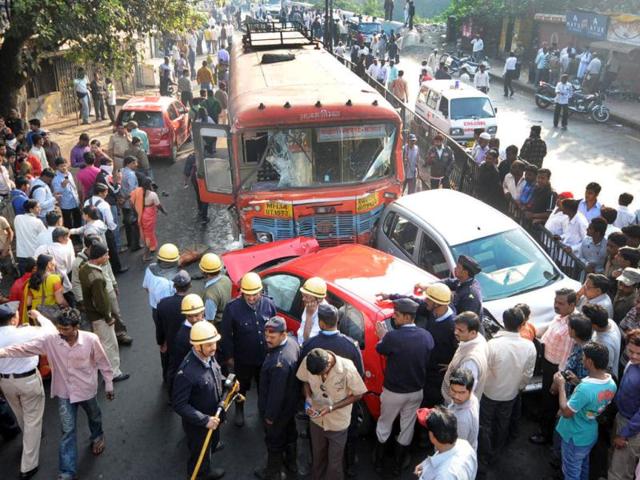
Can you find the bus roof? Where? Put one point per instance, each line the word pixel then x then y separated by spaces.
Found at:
pixel 259 91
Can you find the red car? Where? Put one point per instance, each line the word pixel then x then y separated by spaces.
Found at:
pixel 354 274
pixel 165 120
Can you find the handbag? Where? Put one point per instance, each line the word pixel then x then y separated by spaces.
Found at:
pixel 52 312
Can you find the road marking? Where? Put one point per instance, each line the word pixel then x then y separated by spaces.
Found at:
pixel 632 137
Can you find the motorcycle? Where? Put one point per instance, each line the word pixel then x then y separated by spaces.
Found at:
pixel 462 65
pixel 587 104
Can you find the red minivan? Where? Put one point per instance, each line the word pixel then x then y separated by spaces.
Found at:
pixel 354 274
pixel 165 120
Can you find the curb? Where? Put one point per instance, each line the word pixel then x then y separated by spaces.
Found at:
pixel 529 88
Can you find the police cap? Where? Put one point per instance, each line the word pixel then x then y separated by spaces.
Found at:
pixel 276 324
pixel 405 305
pixel 8 310
pixel 182 279
pixel 469 264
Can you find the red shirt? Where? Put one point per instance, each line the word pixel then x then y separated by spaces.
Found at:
pixel 36 166
pixel 16 293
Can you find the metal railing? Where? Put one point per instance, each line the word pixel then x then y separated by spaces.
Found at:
pixel 465 173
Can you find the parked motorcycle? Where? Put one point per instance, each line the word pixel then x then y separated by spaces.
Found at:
pixel 587 104
pixel 461 65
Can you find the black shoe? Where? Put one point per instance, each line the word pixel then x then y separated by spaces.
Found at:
pixel 214 474
pixel 124 339
pixel 121 378
pixel 291 458
pixel 564 127
pixel 29 474
pixel 539 439
pixel 136 248
pixel 122 270
pixel 401 460
pixel 378 457
pixel 239 418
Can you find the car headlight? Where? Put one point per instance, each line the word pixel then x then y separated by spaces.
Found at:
pixel 492 130
pixel 264 237
pixel 456 132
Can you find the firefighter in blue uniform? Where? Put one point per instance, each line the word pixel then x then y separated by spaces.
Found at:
pixel 278 395
pixel 332 340
pixel 467 296
pixel 243 345
pixel 197 391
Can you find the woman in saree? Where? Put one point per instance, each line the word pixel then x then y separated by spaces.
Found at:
pixel 146 204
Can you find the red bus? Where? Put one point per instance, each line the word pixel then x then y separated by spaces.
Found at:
pixel 311 149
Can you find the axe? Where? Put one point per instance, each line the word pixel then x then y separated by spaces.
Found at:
pixel 230 393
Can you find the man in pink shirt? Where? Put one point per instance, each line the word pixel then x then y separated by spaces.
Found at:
pixel 75 357
pixel 87 175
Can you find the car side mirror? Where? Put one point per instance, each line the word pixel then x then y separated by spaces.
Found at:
pixel 495 109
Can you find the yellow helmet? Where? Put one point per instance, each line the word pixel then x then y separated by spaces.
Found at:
pixel 191 304
pixel 438 293
pixel 315 286
pixel 168 253
pixel 251 283
pixel 203 332
pixel 210 263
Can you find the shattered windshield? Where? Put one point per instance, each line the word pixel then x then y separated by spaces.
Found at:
pixel 310 157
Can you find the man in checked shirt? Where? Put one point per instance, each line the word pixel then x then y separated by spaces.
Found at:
pixel 557 347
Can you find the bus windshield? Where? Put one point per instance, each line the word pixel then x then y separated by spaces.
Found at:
pixel 311 157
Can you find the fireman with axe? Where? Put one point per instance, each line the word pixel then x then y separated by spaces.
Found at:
pixel 200 395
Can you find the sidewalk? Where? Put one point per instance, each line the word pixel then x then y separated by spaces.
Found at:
pixel 626 113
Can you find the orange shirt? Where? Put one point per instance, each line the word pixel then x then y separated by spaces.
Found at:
pixel 528 331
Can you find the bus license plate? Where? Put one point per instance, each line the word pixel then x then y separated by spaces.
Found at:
pixel 367 202
pixel 278 209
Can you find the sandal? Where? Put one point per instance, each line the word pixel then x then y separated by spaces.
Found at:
pixel 98 446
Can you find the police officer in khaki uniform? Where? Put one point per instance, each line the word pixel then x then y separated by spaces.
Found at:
pixel 217 288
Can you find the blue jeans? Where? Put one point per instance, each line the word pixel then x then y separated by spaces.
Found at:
pixel 84 109
pixel 575 460
pixel 68 455
pixel 116 219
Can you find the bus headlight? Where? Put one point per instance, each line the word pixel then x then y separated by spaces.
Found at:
pixel 456 132
pixel 492 130
pixel 264 237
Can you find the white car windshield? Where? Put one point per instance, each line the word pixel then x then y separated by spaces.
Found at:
pixel 511 264
pixel 472 107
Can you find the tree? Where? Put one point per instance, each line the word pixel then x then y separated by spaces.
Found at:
pixel 100 31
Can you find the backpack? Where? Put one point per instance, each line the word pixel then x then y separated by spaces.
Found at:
pixel 100 216
pixel 33 189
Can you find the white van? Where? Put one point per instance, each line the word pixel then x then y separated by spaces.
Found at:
pixel 455 108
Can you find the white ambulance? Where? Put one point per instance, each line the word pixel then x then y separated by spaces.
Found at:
pixel 456 108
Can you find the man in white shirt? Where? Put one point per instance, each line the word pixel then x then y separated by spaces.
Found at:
pixel 605 332
pixel 61 249
pixel 314 292
pixel 38 151
pixel 372 71
pixel 514 182
pixel 41 191
pixel 27 227
pixel 564 91
pixel 481 79
pixel 558 220
pixel 98 200
pixel 594 291
pixel 21 383
pixel 510 362
pixel 432 61
pixel 576 226
pixel 478 48
pixel 509 74
pixel 625 215
pixel 382 73
pixel 454 458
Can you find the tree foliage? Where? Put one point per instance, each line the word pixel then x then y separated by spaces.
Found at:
pixel 100 31
pixel 498 8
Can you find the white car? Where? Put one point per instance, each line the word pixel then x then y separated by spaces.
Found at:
pixel 434 227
